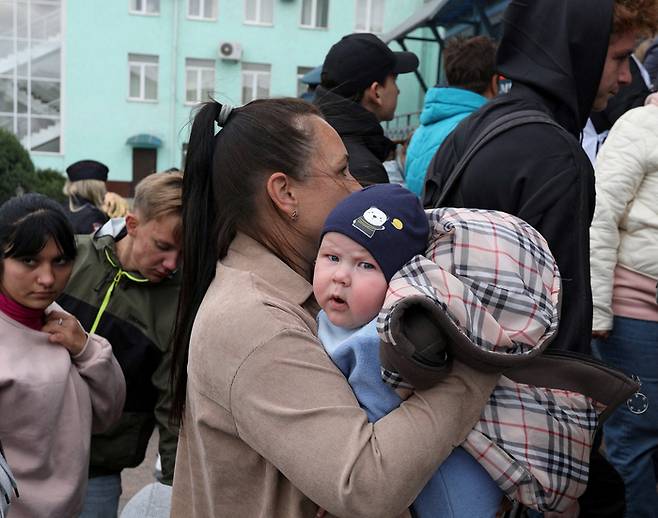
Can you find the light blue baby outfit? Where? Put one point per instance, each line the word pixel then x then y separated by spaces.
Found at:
pixel 460 487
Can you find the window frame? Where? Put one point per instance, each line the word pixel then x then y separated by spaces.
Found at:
pixel 258 10
pixel 368 20
pixel 314 15
pixel 254 81
pixel 142 78
pixel 23 79
pixel 202 5
pixel 143 12
pixel 299 78
pixel 198 69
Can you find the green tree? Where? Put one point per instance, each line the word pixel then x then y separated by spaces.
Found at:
pixel 51 183
pixel 16 168
pixel 17 173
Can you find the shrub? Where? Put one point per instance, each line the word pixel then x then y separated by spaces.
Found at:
pixel 50 182
pixel 17 173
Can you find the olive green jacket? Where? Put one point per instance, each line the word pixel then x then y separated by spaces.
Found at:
pixel 136 316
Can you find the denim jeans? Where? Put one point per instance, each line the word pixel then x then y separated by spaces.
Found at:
pixel 461 488
pixel 102 498
pixel 632 439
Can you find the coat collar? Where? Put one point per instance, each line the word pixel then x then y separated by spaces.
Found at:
pixel 247 254
pixel 353 121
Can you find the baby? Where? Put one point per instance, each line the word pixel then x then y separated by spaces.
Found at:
pixel 366 239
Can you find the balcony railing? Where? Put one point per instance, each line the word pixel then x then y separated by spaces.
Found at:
pixel 402 126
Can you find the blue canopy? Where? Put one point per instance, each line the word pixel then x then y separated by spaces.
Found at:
pixel 453 16
pixel 449 14
pixel 144 141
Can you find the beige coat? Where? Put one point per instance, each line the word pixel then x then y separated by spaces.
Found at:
pixel 625 226
pixel 272 428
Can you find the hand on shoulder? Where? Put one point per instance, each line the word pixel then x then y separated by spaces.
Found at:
pixel 65 330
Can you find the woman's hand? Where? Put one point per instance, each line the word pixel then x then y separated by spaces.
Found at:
pixel 65 330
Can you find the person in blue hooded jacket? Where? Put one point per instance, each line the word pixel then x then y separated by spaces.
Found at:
pixel 470 67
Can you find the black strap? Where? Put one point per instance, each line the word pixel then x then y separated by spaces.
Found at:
pixel 504 123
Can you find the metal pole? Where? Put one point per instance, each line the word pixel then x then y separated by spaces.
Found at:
pixel 417 72
pixel 484 19
pixel 440 41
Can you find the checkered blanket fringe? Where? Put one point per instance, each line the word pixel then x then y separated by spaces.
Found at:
pixel 494 275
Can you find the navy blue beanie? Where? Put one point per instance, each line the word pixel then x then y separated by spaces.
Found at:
pixel 387 220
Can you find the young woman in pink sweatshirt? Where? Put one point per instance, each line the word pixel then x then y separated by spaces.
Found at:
pixel 57 383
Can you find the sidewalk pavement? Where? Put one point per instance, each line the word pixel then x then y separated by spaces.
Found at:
pixel 134 479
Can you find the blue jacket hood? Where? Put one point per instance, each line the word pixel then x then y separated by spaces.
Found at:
pixel 444 102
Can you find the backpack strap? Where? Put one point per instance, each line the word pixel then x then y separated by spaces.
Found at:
pixel 500 125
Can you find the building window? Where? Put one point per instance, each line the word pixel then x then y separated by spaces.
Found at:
pixel 369 16
pixel 143 77
pixel 145 6
pixel 31 72
pixel 255 81
pixel 301 72
pixel 199 80
pixel 258 11
pixel 202 9
pixel 315 14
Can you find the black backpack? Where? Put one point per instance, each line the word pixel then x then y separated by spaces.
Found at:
pixel 500 125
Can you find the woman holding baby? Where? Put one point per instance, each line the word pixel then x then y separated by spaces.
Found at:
pixel 270 425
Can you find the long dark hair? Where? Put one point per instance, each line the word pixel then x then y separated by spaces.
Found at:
pixel 26 224
pixel 223 185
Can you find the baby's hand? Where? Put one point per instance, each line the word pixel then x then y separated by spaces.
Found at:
pixel 65 330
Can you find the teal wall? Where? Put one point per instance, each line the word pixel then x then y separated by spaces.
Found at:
pixel 99 35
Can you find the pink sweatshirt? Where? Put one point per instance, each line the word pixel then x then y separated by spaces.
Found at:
pixel 50 403
pixel 634 295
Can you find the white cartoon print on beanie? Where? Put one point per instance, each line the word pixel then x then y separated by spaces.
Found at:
pixel 372 220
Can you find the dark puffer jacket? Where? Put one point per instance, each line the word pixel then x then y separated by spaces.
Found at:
pixel 361 133
pixel 539 172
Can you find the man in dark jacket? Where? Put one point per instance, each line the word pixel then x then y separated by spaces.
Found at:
pixel 358 92
pixel 537 171
pixel 629 96
pixel 124 287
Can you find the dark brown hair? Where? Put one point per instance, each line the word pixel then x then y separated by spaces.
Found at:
pixel 223 193
pixel 470 63
pixel 27 223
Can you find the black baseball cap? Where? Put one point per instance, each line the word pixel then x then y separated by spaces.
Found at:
pixel 358 60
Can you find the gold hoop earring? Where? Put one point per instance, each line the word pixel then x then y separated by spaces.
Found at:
pixel 294 215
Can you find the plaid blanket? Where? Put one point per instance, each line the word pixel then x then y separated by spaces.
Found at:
pixel 494 276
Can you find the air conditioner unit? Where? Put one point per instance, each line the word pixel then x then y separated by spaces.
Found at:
pixel 230 50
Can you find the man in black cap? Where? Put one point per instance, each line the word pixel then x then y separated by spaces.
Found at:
pixel 85 188
pixel 357 92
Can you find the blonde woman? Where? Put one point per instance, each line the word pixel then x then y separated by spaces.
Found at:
pixel 86 190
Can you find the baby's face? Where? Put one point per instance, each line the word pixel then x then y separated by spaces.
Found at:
pixel 348 283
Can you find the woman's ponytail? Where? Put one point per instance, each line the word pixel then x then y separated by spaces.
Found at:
pixel 199 255
pixel 223 187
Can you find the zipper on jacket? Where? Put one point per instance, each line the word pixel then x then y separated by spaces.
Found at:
pixel 108 294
